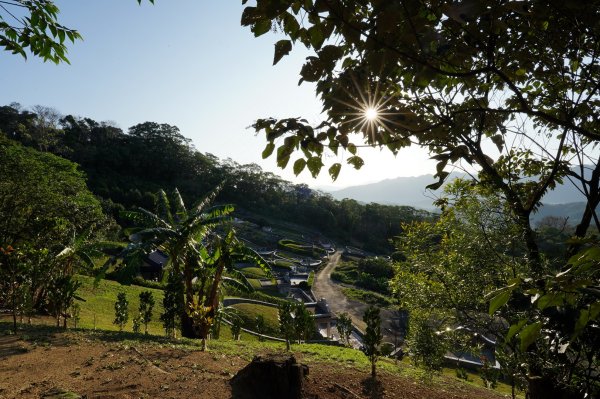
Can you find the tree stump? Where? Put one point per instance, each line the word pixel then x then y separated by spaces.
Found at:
pixel 274 376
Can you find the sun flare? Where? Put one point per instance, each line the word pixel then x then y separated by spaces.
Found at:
pixel 371 114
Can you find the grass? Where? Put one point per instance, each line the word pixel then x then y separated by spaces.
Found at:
pixel 98 309
pixel 255 283
pixel 249 312
pixel 253 272
pixel 249 346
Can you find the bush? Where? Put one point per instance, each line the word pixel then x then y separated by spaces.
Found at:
pixel 376 267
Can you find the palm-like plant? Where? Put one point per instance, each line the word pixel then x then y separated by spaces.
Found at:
pixel 195 251
pixel 216 267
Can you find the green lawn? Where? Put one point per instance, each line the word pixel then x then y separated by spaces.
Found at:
pixel 254 272
pixel 100 304
pixel 249 312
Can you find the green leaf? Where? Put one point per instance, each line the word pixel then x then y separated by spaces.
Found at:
pixel 314 165
pixel 529 334
pixel 585 316
pixel 299 166
pixel 521 72
pixel 352 148
pixel 268 150
pixel 499 300
pixel 356 161
pixel 334 170
pixel 261 27
pixel 515 328
pixel 316 36
pixel 282 48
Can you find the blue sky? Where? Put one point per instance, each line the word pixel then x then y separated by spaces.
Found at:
pixel 188 63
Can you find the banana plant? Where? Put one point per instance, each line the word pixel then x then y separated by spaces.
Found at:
pixel 216 268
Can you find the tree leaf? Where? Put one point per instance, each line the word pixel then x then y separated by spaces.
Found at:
pixel 334 170
pixel 268 150
pixel 499 300
pixel 529 334
pixel 299 166
pixel 282 48
pixel 356 161
pixel 314 165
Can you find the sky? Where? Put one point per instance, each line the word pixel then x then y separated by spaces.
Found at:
pixel 188 63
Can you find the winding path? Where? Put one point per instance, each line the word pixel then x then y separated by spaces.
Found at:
pixel 324 287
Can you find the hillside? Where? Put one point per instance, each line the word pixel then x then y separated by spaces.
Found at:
pixel 50 363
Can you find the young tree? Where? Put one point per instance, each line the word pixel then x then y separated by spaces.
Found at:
pixel 146 307
pixel 75 313
pixel 344 327
pixel 287 325
pixel 260 325
pixel 121 311
pixel 172 304
pixel 304 323
pixel 373 337
pixel 13 280
pixel 137 323
pixel 61 294
pixel 236 327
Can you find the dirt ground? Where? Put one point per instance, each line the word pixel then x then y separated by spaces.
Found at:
pixel 55 365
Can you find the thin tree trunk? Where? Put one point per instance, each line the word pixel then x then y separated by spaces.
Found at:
pixel 373 370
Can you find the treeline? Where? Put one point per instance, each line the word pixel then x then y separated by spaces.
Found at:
pixel 126 169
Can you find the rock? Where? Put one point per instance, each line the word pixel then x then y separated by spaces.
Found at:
pixel 274 376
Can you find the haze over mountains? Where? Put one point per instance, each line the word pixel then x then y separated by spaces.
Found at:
pixel 565 200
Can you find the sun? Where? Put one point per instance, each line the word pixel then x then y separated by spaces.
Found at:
pixel 371 114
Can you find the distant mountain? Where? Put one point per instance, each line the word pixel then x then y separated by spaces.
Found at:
pixel 399 191
pixel 411 191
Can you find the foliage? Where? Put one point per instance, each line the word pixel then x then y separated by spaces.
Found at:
pixel 40 32
pixel 62 293
pixel 369 273
pixel 473 82
pixel 157 156
pixel 376 267
pixel 137 323
pixel 172 304
pixel 97 308
pixel 236 327
pixel 121 311
pixel 45 198
pixel 369 297
pixel 426 343
pixel 286 323
pixel 13 280
pixel 344 327
pixel 145 309
pixel 75 311
pixel 304 323
pixel 259 325
pixel 180 234
pixel 372 338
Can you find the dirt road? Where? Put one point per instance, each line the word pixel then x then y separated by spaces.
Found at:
pixel 324 287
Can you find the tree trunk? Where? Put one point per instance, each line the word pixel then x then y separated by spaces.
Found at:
pixel 373 370
pixel 203 345
pixel 14 321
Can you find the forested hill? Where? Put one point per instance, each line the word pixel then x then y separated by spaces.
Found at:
pixel 126 169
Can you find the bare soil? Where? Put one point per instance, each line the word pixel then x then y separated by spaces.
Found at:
pixel 58 363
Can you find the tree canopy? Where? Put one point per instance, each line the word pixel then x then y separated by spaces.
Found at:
pixel 507 90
